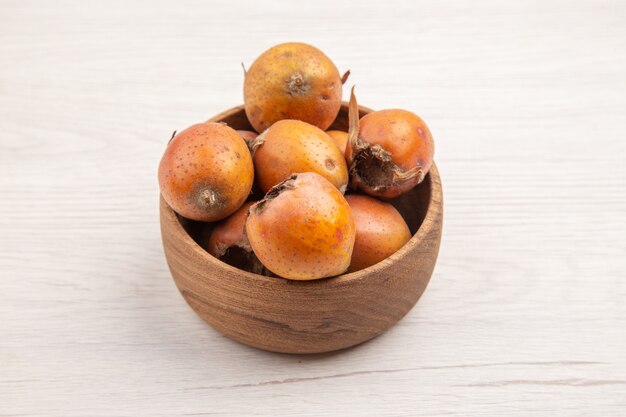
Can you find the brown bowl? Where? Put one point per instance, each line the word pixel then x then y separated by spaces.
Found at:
pixel 306 316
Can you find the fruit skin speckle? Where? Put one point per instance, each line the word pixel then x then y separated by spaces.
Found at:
pixel 380 231
pixel 206 172
pixel 303 229
pixel 292 81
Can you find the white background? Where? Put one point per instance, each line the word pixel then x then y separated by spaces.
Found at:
pixel 526 312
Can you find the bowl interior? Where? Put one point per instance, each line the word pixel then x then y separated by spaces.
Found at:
pixel 412 205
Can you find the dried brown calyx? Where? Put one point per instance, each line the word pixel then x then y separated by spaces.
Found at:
pixel 297 84
pixel 228 242
pixel 241 256
pixel 371 166
pixel 274 192
pixel 208 198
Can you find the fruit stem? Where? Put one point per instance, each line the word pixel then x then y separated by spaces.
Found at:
pixel 344 77
pixel 173 134
pixel 353 125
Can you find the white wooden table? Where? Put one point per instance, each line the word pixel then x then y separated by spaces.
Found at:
pixel 526 312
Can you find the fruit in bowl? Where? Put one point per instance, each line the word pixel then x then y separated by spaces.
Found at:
pixel 291 146
pixel 303 229
pixel 206 172
pixel 302 268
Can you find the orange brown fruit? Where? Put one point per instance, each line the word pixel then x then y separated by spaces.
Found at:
pixel 340 137
pixel 380 231
pixel 303 229
pixel 389 151
pixel 292 81
pixel 291 146
pixel 206 172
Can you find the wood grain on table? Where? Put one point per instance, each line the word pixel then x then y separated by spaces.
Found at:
pixel 525 314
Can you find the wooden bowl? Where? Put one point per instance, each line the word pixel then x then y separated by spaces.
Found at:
pixel 306 316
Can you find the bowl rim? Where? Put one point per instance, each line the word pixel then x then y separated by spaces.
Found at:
pixel 434 207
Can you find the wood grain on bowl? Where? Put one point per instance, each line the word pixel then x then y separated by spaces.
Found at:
pixel 311 316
